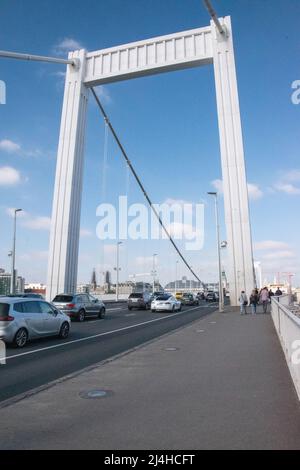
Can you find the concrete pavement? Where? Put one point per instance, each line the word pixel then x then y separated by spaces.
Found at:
pixel 219 383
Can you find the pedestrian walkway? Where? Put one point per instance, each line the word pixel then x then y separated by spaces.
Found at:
pixel 219 383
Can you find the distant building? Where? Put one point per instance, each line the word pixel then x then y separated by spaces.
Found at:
pixel 5 279
pixel 35 288
pixel 20 285
pixel 184 284
pixel 84 288
pixel 258 274
pixel 94 280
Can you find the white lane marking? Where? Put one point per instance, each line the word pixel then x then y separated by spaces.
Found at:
pixel 115 308
pixel 106 333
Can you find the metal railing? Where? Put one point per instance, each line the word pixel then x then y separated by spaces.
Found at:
pixel 287 325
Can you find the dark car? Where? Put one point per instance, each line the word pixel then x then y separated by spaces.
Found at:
pixel 140 300
pixel 79 306
pixel 211 296
pixel 200 296
pixel 189 299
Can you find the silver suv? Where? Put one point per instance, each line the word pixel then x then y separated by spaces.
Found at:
pixel 25 319
pixel 79 306
pixel 140 300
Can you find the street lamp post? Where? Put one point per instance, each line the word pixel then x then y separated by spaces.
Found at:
pixel 153 272
pixel 176 276
pixel 13 256
pixel 118 269
pixel 221 296
pixel 190 281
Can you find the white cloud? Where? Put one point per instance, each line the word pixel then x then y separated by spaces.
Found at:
pixel 254 191
pixel 144 260
pixel 11 212
pixel 287 188
pixel 218 185
pixel 85 233
pixel 270 245
pixel 104 94
pixel 67 45
pixel 9 176
pixel 112 248
pixel 292 175
pixel 9 146
pixel 34 255
pixel 37 223
pixel 180 230
pixel 276 255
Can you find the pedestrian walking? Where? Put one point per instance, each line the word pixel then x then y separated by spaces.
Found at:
pixel 243 302
pixel 271 293
pixel 264 298
pixel 254 299
pixel 278 292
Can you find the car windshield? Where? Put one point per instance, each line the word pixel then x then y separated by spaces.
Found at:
pixel 163 297
pixel 63 298
pixel 136 296
pixel 4 308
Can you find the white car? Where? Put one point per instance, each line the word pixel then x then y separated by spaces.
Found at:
pixel 165 302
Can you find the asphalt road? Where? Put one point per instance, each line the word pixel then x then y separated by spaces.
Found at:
pixel 49 359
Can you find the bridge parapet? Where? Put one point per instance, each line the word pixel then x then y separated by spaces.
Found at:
pixel 287 324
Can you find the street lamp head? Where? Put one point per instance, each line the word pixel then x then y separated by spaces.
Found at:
pixel 212 193
pixel 18 210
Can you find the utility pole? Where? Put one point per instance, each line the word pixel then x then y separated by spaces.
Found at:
pixel 13 257
pixel 153 272
pixel 118 269
pixel 176 264
pixel 221 296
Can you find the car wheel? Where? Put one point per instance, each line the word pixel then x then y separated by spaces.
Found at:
pixel 64 330
pixel 20 338
pixel 180 308
pixel 153 310
pixel 101 312
pixel 173 308
pixel 81 315
pixel 129 308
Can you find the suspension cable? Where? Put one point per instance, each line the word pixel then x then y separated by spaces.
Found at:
pixel 107 121
pixel 213 14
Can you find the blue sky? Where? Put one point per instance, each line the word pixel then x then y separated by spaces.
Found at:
pixel 168 124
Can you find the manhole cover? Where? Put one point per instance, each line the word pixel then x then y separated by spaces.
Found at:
pixel 95 394
pixel 171 349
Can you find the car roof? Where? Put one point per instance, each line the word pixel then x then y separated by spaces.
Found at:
pixel 70 293
pixel 13 300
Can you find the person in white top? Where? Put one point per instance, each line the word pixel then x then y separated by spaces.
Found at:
pixel 243 302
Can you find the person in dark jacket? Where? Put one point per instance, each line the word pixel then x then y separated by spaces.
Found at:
pixel 254 299
pixel 278 292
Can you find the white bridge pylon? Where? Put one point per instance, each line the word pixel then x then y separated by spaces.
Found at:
pixel 166 53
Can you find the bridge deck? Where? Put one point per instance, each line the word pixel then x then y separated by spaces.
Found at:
pixel 226 387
